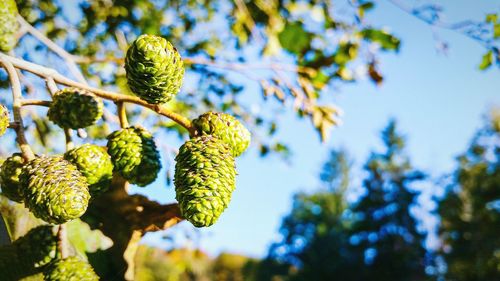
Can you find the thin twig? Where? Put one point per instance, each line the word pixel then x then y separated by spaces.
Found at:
pixel 234 66
pixel 61 241
pixel 51 86
pixel 455 27
pixel 13 125
pixel 122 114
pixel 69 140
pixel 46 72
pixel 16 108
pixel 25 102
pixel 67 57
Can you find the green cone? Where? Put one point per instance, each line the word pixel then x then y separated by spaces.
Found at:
pixel 70 269
pixel 39 246
pixel 28 254
pixel 54 190
pixel 4 118
pixel 204 179
pixel 154 69
pixel 8 25
pixel 9 177
pixel 95 164
pixel 225 127
pixel 75 108
pixel 134 155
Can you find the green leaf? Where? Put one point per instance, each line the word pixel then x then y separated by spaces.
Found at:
pixel 345 53
pixel 486 61
pixel 294 38
pixel 491 18
pixel 496 30
pixel 365 7
pixel 85 240
pixel 320 80
pixel 387 41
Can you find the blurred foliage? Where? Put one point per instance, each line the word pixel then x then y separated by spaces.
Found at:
pixel 190 265
pixel 325 237
pixel 470 210
pixel 315 242
pixel 293 50
pixel 385 230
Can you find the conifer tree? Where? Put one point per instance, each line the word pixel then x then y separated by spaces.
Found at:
pixel 385 232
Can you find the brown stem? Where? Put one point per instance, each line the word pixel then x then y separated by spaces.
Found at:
pixel 16 108
pixel 61 241
pixel 69 141
pixel 51 86
pixel 116 97
pixel 25 102
pixel 122 114
pixel 13 125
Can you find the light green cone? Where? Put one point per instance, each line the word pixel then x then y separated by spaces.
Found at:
pixel 225 127
pixel 75 108
pixel 154 69
pixel 134 155
pixel 54 190
pixel 204 179
pixel 95 164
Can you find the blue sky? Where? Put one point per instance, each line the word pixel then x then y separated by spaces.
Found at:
pixel 438 99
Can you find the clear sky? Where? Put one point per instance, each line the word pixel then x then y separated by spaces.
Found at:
pixel 438 99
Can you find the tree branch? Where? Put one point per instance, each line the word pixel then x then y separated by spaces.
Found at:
pixel 62 239
pixel 46 73
pixel 67 57
pixel 17 103
pixel 456 27
pixel 69 139
pixel 122 114
pixel 45 103
pixel 125 219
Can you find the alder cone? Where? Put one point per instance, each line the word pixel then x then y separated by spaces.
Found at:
pixel 38 247
pixel 134 155
pixel 69 269
pixel 4 119
pixel 95 165
pixel 9 177
pixel 8 25
pixel 204 179
pixel 28 254
pixel 74 108
pixel 154 69
pixel 225 127
pixel 54 190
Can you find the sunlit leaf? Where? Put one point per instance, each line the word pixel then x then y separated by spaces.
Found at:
pixel 387 41
pixel 294 38
pixel 487 61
